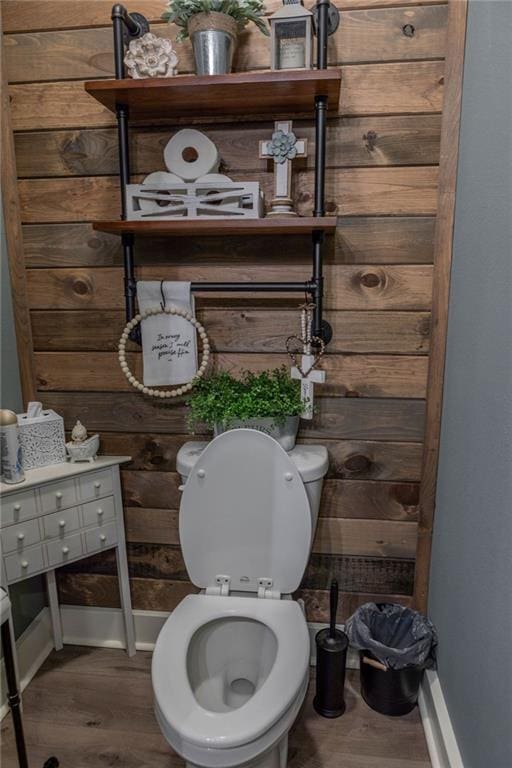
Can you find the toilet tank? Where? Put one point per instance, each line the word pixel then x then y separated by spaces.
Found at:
pixel 311 462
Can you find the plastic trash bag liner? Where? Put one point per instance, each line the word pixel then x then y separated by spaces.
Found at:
pixel 398 637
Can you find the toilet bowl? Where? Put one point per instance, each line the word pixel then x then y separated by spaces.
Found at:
pixel 230 666
pixel 229 675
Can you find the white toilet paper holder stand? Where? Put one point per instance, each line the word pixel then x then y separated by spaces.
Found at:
pixel 193 200
pixel 192 188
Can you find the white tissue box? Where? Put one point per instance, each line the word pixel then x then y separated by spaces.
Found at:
pixel 42 439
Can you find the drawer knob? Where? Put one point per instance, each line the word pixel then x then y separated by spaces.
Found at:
pixel 97 484
pixel 201 473
pixel 65 550
pixel 288 476
pixel 17 507
pixel 103 537
pixel 24 563
pixel 62 523
pixel 58 495
pixel 99 511
pixel 21 536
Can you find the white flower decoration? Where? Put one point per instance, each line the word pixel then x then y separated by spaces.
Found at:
pixel 151 56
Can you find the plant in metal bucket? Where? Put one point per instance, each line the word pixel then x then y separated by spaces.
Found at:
pixel 242 11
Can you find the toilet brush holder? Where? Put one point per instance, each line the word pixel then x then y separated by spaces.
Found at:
pixel 331 661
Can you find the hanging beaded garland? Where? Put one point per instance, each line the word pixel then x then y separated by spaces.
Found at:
pixel 306 340
pixel 163 393
pixel 306 322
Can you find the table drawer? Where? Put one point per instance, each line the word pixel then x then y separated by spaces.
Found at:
pixel 98 512
pixel 61 523
pixel 21 564
pixel 17 507
pixel 17 537
pixel 62 550
pixel 58 496
pixel 96 484
pixel 100 538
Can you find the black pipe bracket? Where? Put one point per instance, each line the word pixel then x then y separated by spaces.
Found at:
pixel 143 28
pixel 333 19
pixel 135 24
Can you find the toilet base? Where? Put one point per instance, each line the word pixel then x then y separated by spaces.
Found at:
pixel 276 758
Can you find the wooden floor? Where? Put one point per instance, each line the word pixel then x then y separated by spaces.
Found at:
pixel 92 708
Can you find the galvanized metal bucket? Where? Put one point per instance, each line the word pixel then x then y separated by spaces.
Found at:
pixel 214 37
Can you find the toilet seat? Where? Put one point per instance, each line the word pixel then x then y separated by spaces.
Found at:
pixel 178 712
pixel 245 515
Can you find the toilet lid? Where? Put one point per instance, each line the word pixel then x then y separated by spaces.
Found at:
pixel 245 514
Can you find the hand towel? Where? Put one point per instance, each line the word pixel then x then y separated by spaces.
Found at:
pixel 169 344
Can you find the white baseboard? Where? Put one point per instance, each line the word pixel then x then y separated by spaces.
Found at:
pixel 442 744
pixel 32 648
pixel 103 628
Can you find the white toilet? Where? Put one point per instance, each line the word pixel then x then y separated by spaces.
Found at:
pixel 230 666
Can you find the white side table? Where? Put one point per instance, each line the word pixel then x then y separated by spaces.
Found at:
pixel 61 514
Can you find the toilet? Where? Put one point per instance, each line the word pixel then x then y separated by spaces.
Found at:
pixel 230 666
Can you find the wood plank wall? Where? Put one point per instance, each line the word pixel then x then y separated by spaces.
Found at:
pixel 382 181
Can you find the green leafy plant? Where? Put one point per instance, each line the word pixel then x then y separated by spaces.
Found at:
pixel 224 399
pixel 242 11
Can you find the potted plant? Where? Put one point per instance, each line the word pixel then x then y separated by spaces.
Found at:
pixel 269 402
pixel 213 27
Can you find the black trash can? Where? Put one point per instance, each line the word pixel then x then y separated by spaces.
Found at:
pixel 389 691
pixel 395 645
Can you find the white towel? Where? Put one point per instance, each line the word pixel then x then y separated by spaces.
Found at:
pixel 169 344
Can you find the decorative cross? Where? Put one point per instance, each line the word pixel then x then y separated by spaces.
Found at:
pixel 306 372
pixel 282 148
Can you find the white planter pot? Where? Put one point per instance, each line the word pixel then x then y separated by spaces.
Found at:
pixel 285 433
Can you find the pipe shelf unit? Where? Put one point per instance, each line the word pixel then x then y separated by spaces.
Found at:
pixel 259 94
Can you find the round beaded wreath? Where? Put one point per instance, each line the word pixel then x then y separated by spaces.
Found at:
pixel 163 393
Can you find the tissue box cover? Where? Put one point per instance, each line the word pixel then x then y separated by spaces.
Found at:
pixel 42 439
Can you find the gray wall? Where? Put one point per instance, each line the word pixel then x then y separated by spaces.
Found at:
pixel 28 597
pixel 471 575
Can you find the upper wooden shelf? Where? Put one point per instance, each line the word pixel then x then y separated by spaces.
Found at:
pixel 241 93
pixel 270 225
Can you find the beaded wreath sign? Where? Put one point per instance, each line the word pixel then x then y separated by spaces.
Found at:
pixel 151 391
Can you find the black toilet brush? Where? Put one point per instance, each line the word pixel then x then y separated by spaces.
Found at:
pixel 331 660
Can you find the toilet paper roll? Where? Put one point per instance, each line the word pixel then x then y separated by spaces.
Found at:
pixel 157 178
pixel 207 159
pixel 213 178
pixel 210 180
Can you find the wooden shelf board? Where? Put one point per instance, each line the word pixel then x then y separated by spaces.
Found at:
pixel 242 93
pixel 270 225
